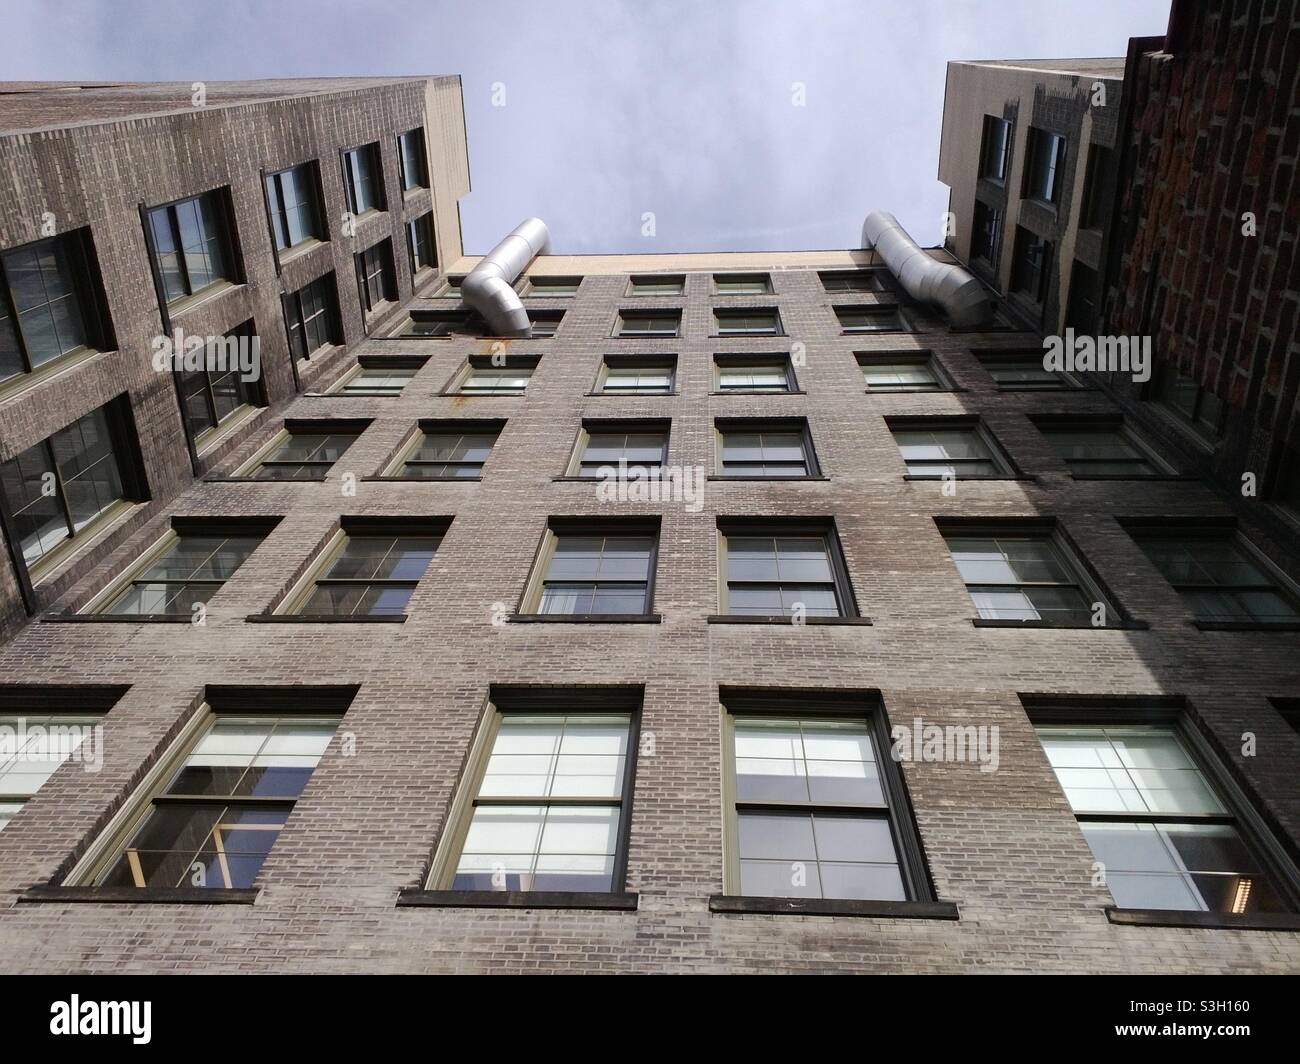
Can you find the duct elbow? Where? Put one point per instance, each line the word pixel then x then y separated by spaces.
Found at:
pixel 489 287
pixel 958 294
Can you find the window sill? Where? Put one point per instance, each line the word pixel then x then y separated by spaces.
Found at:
pixel 724 477
pixel 421 480
pixel 142 895
pixel 1135 476
pixel 188 303
pixel 1219 921
pixel 646 336
pixel 888 390
pixel 906 910
pixel 1246 626
pixel 628 394
pixel 941 477
pixel 995 622
pixel 210 439
pixel 99 525
pixel 350 395
pixel 748 336
pixel 516 899
pixel 586 618
pixel 118 618
pixel 263 480
pixel 288 255
pixel 20 383
pixel 779 618
pixel 481 395
pixel 760 391
pixel 325 618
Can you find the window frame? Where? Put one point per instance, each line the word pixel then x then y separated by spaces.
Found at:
pixel 722 282
pixel 1166 375
pixel 277 214
pixel 988 149
pixel 677 280
pixel 879 280
pixel 1039 141
pixel 990 358
pixel 794 426
pixel 1023 267
pixel 754 361
pixel 374 155
pixel 872 310
pixel 295 317
pixel 1049 425
pixel 425 222
pixel 668 314
pixel 1005 468
pixel 614 427
pixel 786 527
pixel 380 363
pixel 532 289
pixel 529 607
pixel 386 273
pixel 476 363
pixel 927 358
pixel 404 178
pixel 227 238
pixel 649 362
pixel 443 427
pixel 301 427
pixel 721 315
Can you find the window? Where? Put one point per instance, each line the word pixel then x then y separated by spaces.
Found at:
pixel 783 569
pixel 375 277
pixel 814 803
pixel 1045 167
pixel 376 377
pixel 986 233
pixel 994 147
pixel 648 323
pixel 1191 402
pixel 554 287
pixel 546 806
pixel 544 323
pixel 870 319
pixel 900 372
pixel 441 324
pixel 592 569
pixel 1031 265
pixel 449 288
pixel 182 571
pixel 637 375
pixel 305 450
pixel 212 395
pixel 366 572
pixel 449 450
pixel 41 742
pixel 750 373
pixel 1155 822
pixel 630 451
pixel 312 316
pixel 482 376
pixel 293 198
pixel 948 449
pixel 668 284
pixel 1024 372
pixel 51 304
pixel 753 448
pixel 420 245
pixel 1221 579
pixel 865 280
pixel 63 485
pixel 411 160
pixel 363 179
pixel 213 821
pixel 1102 450
pixel 1081 307
pixel 747 321
pixel 1025 574
pixel 1094 187
pixel 191 245
pixel 742 284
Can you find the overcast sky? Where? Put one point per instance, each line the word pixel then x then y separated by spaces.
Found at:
pixel 615 108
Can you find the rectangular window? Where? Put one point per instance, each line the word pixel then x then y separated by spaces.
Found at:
pixel 377 377
pixel 182 570
pixel 1191 402
pixel 306 450
pixel 783 569
pixel 363 179
pixel 654 284
pixel 1220 578
pixel 1031 265
pixel 629 451
pixel 312 315
pixel 420 245
pixel 986 233
pixel 449 288
pixel 366 572
pixel 905 372
pixel 753 373
pixel 554 287
pixel 1081 307
pixel 1018 574
pixel 1154 820
pixel 994 147
pixel 648 323
pixel 215 817
pixel 376 279
pixel 192 244
pixel 61 486
pixel 548 799
pixel 593 569
pixel 865 280
pixel 814 804
pixel 50 305
pixel 1024 373
pixel 292 198
pixel 871 319
pixel 1045 166
pixel 42 742
pixel 1102 450
pixel 211 396
pixel 1094 187
pixel 449 450
pixel 441 324
pixel 411 160
pixel 747 321
pixel 742 284
pixel 544 323
pixel 777 449
pixel 948 450
pixel 637 375
pixel 481 376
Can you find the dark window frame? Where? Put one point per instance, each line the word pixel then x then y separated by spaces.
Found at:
pixel 721 315
pixel 296 320
pixel 413 240
pixel 557 527
pixel 1047 151
pixel 994 159
pixel 278 216
pixel 872 310
pixel 374 157
pixel 446 427
pixel 353 427
pixel 827 529
pixel 943 382
pixel 405 178
pixel 1005 467
pixel 635 361
pixel 227 237
pixel 754 360
pixel 797 426
pixel 382 267
pixel 614 427
pixel 673 315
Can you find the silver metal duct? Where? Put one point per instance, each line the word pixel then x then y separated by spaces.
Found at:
pixel 961 296
pixel 489 287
